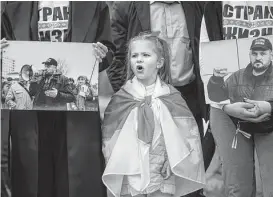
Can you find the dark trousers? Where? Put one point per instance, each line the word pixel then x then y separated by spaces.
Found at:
pixel 52 155
pixel 5 174
pixel 189 93
pixel 56 154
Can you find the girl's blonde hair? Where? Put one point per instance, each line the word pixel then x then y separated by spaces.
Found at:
pixel 162 51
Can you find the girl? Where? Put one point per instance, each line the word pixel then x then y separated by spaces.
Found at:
pixel 151 141
pixel 83 92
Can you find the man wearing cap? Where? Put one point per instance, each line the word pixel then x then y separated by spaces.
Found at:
pixel 254 82
pixel 52 91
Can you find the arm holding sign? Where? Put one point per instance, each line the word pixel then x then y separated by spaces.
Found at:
pixel 218 91
pixel 104 48
pixel 217 87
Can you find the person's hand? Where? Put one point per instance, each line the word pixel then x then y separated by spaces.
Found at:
pixel 261 118
pixel 51 93
pixel 166 170
pixel 220 72
pixel 4 43
pixel 261 107
pixel 100 51
pixel 11 104
pixel 244 111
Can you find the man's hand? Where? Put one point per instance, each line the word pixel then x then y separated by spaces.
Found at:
pixel 100 51
pixel 261 107
pixel 244 111
pixel 52 93
pixel 4 43
pixel 166 170
pixel 11 104
pixel 220 72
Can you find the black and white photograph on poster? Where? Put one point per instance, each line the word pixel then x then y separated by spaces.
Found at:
pixel 236 68
pixel 60 76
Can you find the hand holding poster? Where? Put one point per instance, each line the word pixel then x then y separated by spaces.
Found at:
pixel 49 76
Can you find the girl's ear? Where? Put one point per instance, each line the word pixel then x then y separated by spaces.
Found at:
pixel 160 63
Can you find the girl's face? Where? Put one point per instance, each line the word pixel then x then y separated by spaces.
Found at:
pixel 81 81
pixel 144 61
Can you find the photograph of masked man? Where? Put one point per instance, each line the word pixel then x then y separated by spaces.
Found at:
pixel 52 90
pixel 57 154
pixel 254 82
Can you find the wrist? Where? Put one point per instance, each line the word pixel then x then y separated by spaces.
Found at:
pixel 268 107
pixel 223 107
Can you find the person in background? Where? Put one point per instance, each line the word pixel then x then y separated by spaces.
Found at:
pixel 82 92
pixel 49 158
pixel 234 20
pixel 18 96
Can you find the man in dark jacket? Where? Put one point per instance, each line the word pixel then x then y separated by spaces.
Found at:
pixel 51 91
pixel 235 20
pixel 57 154
pixel 253 82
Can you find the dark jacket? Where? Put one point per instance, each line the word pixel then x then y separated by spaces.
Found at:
pixel 88 22
pixel 130 18
pixel 41 101
pixel 214 19
pixel 243 84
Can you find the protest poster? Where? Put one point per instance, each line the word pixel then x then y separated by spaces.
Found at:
pixel 233 70
pixel 49 76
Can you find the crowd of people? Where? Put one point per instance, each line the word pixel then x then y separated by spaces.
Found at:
pixel 152 141
pixel 45 89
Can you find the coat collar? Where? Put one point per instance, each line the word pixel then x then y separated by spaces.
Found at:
pixel 143 13
pixel 249 69
pixel 19 14
pixel 82 15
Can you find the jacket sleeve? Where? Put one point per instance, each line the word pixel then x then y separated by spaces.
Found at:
pixel 217 89
pixel 119 26
pixel 271 103
pixel 103 35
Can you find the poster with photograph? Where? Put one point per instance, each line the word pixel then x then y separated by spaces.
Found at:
pixel 49 76
pixel 233 70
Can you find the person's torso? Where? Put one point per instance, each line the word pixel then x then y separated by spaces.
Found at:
pixel 21 96
pixel 169 19
pixel 245 85
pixel 48 84
pixel 53 20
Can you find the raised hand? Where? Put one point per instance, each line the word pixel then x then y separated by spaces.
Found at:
pixel 220 72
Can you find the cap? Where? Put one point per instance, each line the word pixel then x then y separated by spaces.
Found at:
pixel 82 77
pixel 50 61
pixel 262 44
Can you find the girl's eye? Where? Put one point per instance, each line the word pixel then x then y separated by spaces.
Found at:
pixel 146 55
pixel 133 55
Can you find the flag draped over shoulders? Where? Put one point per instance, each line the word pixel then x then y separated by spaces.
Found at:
pixel 128 130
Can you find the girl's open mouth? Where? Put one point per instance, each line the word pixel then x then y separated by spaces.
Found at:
pixel 139 68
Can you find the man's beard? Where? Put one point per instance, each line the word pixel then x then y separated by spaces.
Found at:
pixel 260 68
